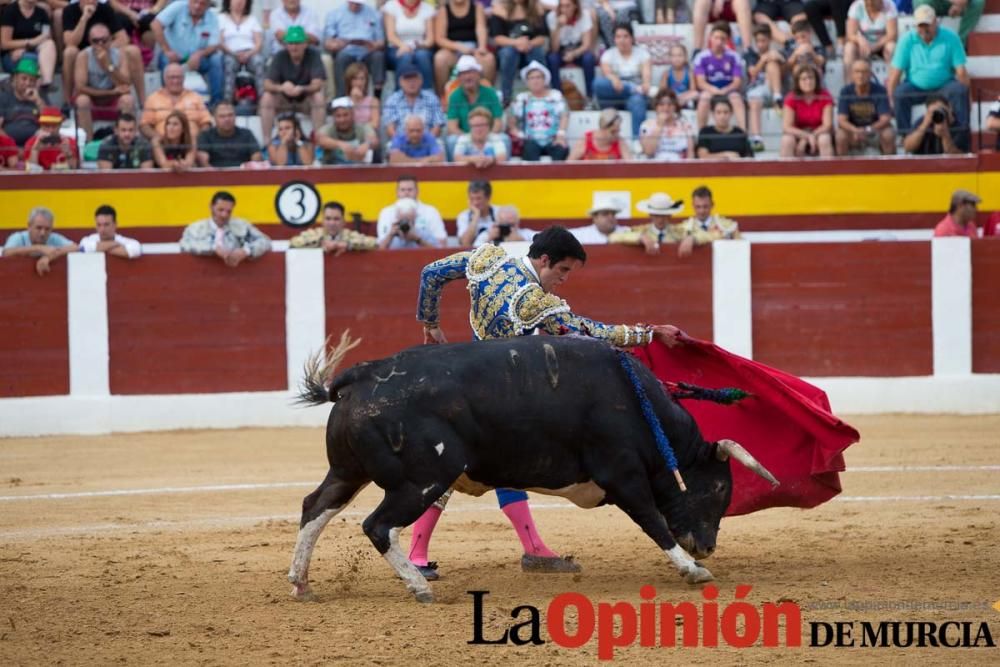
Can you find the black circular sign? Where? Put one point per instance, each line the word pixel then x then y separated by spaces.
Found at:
pixel 297 203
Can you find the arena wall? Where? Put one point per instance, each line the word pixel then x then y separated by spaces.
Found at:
pixel 174 341
pixel 776 195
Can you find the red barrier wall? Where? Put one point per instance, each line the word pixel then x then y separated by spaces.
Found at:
pixel 853 309
pixel 180 324
pixel 375 295
pixel 986 306
pixel 34 335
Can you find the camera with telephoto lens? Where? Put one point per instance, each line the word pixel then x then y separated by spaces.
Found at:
pixel 938 116
pixel 50 140
pixel 504 230
pixel 404 227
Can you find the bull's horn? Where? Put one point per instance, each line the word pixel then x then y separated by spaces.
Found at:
pixel 732 448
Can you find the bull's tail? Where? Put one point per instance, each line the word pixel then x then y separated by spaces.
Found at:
pixel 319 370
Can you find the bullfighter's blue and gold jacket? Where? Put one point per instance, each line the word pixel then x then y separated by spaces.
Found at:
pixel 508 300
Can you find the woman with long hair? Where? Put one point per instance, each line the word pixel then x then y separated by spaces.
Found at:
pixel 808 118
pixel 872 30
pixel 175 149
pixel 409 36
pixel 519 32
pixel 366 107
pixel 460 29
pixel 571 41
pixel 242 42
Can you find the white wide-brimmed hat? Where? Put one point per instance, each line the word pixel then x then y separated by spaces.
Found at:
pixel 660 203
pixel 535 66
pixel 601 203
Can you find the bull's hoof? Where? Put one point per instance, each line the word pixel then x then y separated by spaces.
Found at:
pixel 550 564
pixel 697 575
pixel 302 593
pixel 424 596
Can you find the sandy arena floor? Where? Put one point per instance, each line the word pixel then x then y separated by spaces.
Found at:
pixel 172 574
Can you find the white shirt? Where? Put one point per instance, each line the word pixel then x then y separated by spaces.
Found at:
pixel 132 247
pixel 410 29
pixel 484 237
pixel 590 235
pixel 309 20
pixel 238 37
pixel 570 36
pixel 462 221
pixel 626 69
pixel 428 225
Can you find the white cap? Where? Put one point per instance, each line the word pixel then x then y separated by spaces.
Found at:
pixel 468 63
pixel 925 14
pixel 342 103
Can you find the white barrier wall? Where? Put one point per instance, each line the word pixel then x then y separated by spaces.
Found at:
pixel 90 408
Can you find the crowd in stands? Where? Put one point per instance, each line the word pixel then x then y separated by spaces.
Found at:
pixel 475 82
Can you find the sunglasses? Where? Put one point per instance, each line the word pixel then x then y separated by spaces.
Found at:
pixel 100 40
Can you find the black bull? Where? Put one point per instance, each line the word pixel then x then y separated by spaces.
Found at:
pixel 556 415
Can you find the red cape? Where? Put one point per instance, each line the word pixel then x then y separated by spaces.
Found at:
pixel 786 424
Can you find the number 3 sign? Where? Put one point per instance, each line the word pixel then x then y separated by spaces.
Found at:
pixel 297 203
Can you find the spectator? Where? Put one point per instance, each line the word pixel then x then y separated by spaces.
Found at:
pixel 666 137
pixel 469 95
pixel 126 148
pixel 226 145
pixel 39 241
pixel 175 149
pixel 292 13
pixel 968 10
pixel 703 227
pixel 412 99
pixel 479 217
pixel 480 147
pixel 961 218
pixel 230 239
pixel 872 30
pixel 345 141
pixel 415 145
pixel 764 75
pixel 173 97
pixel 460 30
pixel 626 72
pixel 769 12
pixel 722 140
pixel 731 11
pixel 366 107
pixel 25 28
pixel 290 148
pixel 242 45
pixel 659 207
pixel 613 13
pixel 506 228
pixel 520 33
pixel 331 235
pixel 539 117
pixel 188 33
pixel 801 51
pixel 603 222
pixel 993 122
pixel 107 239
pixel 818 10
pixel 353 33
pixel 427 230
pixel 136 17
pixel 808 119
pixel 864 118
pixel 409 31
pixel 9 152
pixel 408 229
pixel 679 78
pixel 571 41
pixel 102 79
pixel 20 108
pixel 938 131
pixel 294 82
pixel 604 143
pixel 933 60
pixel 77 20
pixel 48 149
pixel 718 71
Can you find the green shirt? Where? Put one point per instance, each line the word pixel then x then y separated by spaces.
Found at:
pixel 459 106
pixel 929 66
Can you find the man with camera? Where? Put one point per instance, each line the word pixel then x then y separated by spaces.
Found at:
pixel 409 229
pixel 938 132
pixel 48 149
pixel 506 227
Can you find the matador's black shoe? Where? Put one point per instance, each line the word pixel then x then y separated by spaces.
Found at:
pixel 549 564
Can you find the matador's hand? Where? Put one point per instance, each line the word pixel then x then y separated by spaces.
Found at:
pixel 668 334
pixel 434 336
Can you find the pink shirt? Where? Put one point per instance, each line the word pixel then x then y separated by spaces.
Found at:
pixel 948 227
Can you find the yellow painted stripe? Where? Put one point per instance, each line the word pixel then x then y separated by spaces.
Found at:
pixel 539 199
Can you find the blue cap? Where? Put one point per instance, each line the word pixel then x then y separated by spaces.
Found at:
pixel 407 69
